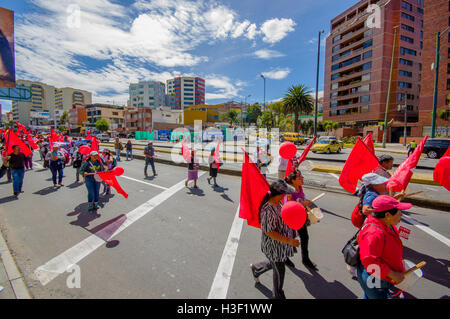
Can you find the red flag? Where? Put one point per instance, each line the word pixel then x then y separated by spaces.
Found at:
pixel 31 142
pixel 11 140
pixel 402 175
pixel 369 142
pixel 289 168
pixel 53 136
pixel 110 178
pixel 94 144
pixel 21 127
pixel 217 155
pixel 441 172
pixel 253 189
pixel 361 161
pixel 302 157
pixel 185 152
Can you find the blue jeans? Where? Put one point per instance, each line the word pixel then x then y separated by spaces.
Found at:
pixel 150 161
pixel 118 155
pixel 373 293
pixel 17 177
pixel 57 171
pixel 93 189
pixel 130 154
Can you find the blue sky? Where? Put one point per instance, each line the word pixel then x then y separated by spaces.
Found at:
pixel 103 45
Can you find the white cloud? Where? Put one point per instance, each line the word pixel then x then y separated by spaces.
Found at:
pixel 275 30
pixel 145 41
pixel 268 54
pixel 277 74
pixel 224 86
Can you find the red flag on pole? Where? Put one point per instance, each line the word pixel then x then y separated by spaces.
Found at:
pixel 109 178
pixel 31 142
pixel 253 189
pixel 53 136
pixel 289 168
pixel 402 175
pixel 369 142
pixel 361 161
pixel 302 157
pixel 217 155
pixel 11 140
pixel 94 144
pixel 441 172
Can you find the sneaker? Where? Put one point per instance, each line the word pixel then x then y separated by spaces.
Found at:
pixel 155 174
pixel 91 207
pixel 54 185
pixel 96 206
pixel 289 263
pixel 253 274
pixel 61 184
pixel 209 180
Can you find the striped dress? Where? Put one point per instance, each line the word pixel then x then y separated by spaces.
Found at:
pixel 271 221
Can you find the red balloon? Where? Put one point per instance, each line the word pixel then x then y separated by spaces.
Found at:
pixel 85 150
pixel 118 171
pixel 294 215
pixel 288 150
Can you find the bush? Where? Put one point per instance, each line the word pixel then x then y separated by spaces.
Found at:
pixel 349 140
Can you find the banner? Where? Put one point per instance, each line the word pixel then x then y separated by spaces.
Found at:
pixel 7 63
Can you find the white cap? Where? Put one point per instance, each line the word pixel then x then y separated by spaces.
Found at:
pixel 94 153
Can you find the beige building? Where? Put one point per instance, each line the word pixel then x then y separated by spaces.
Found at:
pixel 112 113
pixel 47 103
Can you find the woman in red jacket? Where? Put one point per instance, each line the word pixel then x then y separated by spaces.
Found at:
pixel 381 249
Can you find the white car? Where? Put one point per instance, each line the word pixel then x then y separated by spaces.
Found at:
pixel 103 138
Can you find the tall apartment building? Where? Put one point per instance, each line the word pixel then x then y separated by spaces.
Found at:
pixel 357 67
pixel 436 19
pixel 147 94
pixel 187 91
pixel 47 103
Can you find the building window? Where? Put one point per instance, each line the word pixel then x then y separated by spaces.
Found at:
pixel 406 62
pixel 407 6
pixel 420 10
pixel 366 77
pixel 334 76
pixel 367 44
pixel 334 86
pixel 448 84
pixel 405 85
pixel 334 95
pixel 405 73
pixel 365 98
pixel 404 51
pixel 367 66
pixel 333 104
pixel 407 39
pixel 367 55
pixel 407 28
pixel 364 109
pixel 407 16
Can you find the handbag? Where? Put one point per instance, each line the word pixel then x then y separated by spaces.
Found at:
pixel 351 249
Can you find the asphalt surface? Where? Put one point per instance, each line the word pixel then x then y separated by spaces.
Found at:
pixel 176 249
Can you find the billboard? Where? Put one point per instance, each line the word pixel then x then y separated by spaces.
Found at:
pixel 7 64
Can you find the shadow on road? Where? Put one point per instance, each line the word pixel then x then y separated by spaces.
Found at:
pixel 319 288
pixel 196 192
pixel 74 185
pixel 435 270
pixel 220 189
pixel 328 212
pixel 84 215
pixel 107 229
pixel 264 290
pixel 47 190
pixel 8 199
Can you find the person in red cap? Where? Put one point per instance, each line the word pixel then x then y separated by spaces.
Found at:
pixel 381 249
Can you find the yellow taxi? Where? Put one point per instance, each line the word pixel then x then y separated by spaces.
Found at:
pixel 295 138
pixel 326 146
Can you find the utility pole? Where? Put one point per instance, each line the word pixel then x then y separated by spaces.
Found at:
pixel 388 100
pixel 317 85
pixel 436 81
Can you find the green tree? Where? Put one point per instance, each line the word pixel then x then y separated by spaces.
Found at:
pixel 298 101
pixel 64 119
pixel 102 125
pixel 230 116
pixel 267 119
pixel 285 123
pixel 277 110
pixel 252 113
pixel 335 126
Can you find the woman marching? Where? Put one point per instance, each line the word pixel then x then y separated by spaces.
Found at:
pixel 213 169
pixel 109 163
pixel 193 167
pixel 278 240
pixel 295 179
pixel 89 169
pixel 56 160
pixel 381 249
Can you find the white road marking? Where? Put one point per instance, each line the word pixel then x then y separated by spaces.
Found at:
pixel 221 281
pixel 58 265
pixel 428 230
pixel 139 181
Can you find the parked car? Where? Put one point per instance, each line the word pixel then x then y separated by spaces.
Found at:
pixel 103 138
pixel 295 138
pixel 131 135
pixel 332 138
pixel 326 146
pixel 436 147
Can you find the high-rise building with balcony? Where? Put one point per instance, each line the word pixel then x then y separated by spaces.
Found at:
pixel 358 61
pixel 187 91
pixel 436 19
pixel 147 94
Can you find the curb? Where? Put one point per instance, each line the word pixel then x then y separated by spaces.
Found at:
pixel 14 276
pixel 417 201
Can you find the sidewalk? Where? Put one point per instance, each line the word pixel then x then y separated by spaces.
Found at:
pixel 12 285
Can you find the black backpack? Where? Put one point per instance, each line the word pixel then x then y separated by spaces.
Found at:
pixel 351 249
pixel 78 160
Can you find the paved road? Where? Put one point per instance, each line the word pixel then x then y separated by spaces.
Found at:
pixel 168 241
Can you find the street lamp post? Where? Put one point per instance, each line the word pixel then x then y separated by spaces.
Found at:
pixel 405 109
pixel 436 80
pixel 264 109
pixel 242 110
pixel 317 85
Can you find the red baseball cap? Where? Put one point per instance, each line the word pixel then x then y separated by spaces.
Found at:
pixel 383 203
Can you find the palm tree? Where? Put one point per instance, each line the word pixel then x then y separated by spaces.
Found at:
pixel 297 101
